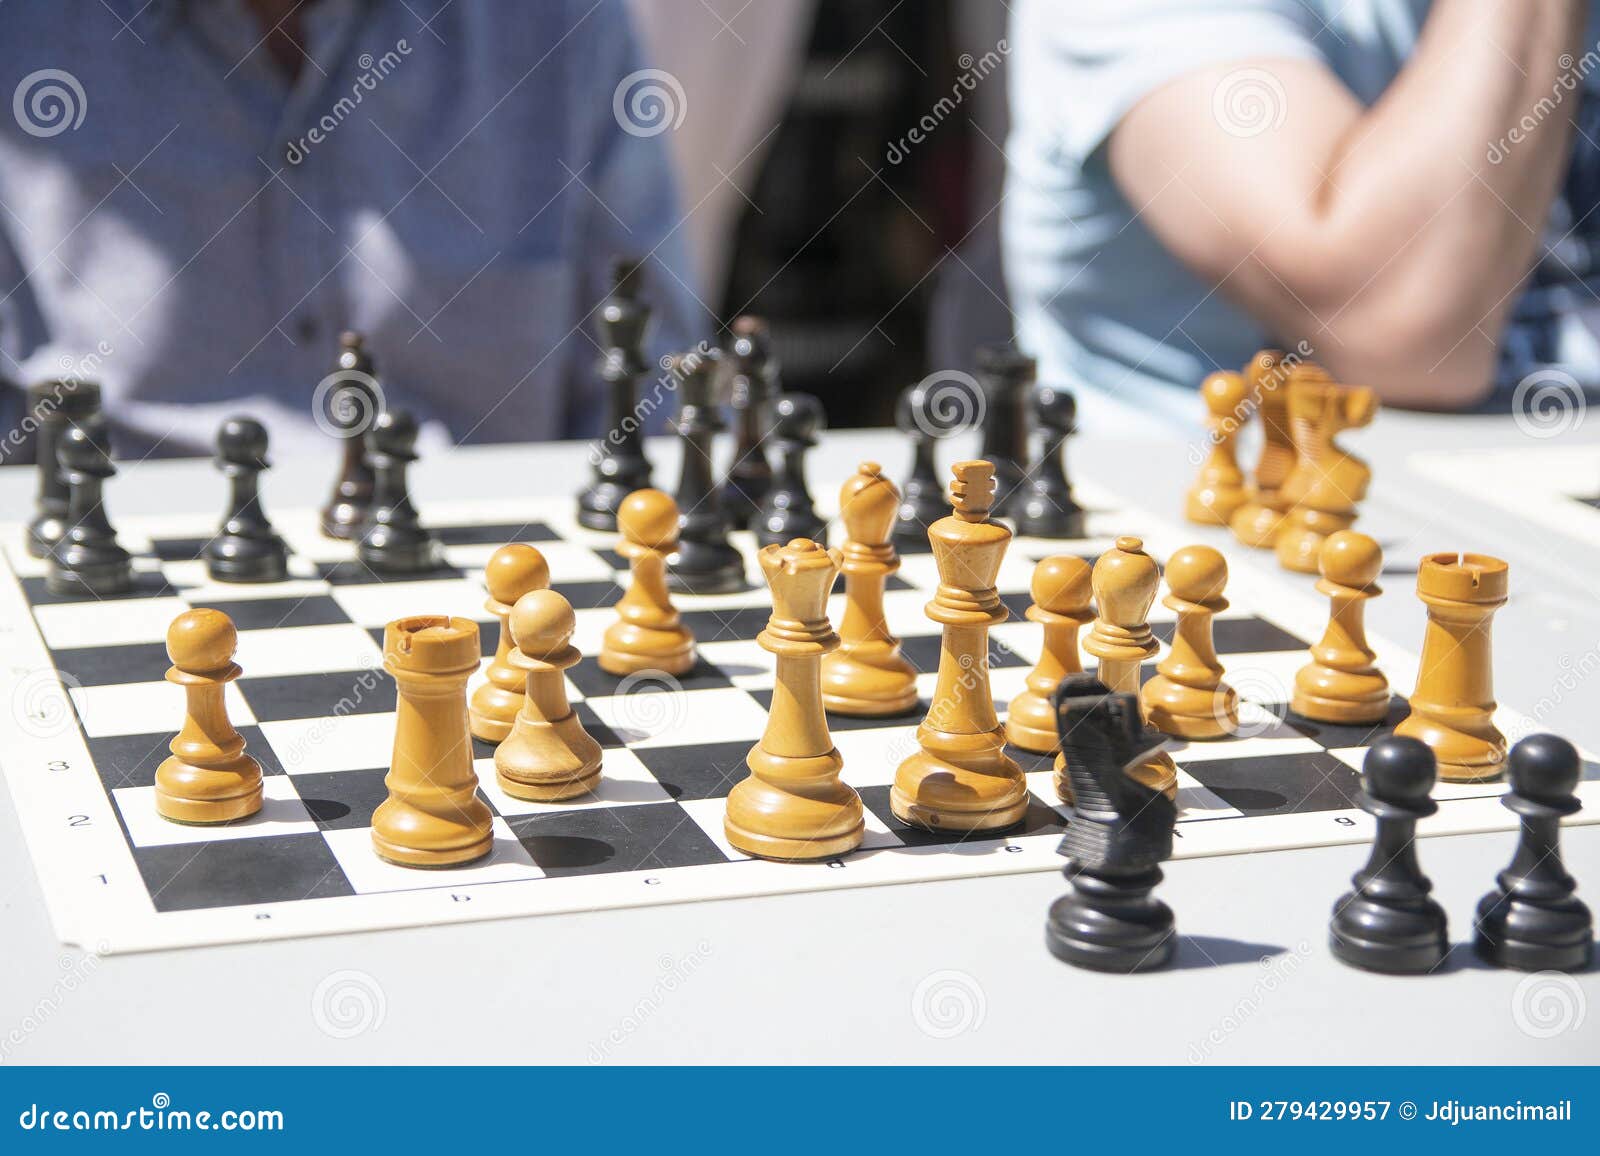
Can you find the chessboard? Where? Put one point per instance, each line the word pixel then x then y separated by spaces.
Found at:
pixel 1554 486
pixel 92 717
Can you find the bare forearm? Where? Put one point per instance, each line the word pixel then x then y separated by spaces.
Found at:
pixel 1386 237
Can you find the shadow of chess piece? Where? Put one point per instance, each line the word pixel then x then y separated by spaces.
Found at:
pixel 961 778
pixel 208 778
pixel 705 562
pixel 1390 923
pixel 1219 490
pixel 1452 707
pixel 1006 376
pixel 1121 831
pixel 394 540
pixel 513 570
pixel 867 677
pixel 1533 920
pixel 753 383
pixel 1188 698
pixel 1331 481
pixel 1255 523
pixel 54 405
pixel 548 756
pixel 922 500
pixel 787 512
pixel 794 805
pixel 354 399
pixel 433 816
pixel 1061 592
pixel 1048 509
pixel 87 561
pixel 620 466
pixel 648 634
pixel 1341 684
pixel 245 549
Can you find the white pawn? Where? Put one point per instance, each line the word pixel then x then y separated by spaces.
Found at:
pixel 548 755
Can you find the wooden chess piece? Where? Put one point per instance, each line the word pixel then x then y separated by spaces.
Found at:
pixel 1341 684
pixel 794 805
pixel 1452 707
pixel 618 460
pixel 245 548
pixel 1060 590
pixel 1255 523
pixel 1533 920
pixel 1219 490
pixel 1006 376
pixel 921 417
pixel 753 383
pixel 1120 833
pixel 649 634
pixel 866 676
pixel 87 559
pixel 1049 509
pixel 54 405
pixel 961 779
pixel 393 538
pixel 513 571
pixel 1188 698
pixel 208 778
pixel 1329 482
pixel 1389 922
pixel 548 756
pixel 433 816
pixel 786 511
pixel 1125 580
pixel 354 401
pixel 705 562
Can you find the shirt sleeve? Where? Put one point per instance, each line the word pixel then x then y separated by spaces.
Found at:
pixel 1085 63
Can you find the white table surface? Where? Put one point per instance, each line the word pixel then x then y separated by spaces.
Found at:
pixel 931 972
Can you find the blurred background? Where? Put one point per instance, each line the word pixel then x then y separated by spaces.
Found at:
pixel 874 258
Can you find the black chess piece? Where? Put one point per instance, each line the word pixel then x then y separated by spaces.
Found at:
pixel 787 512
pixel 394 541
pixel 620 466
pixel 54 405
pixel 1049 510
pixel 87 559
pixel 1390 922
pixel 1119 834
pixel 752 384
pixel 1006 377
pixel 245 549
pixel 1533 921
pixel 353 399
pixel 922 498
pixel 705 563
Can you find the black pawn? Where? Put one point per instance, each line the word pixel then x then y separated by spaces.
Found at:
pixel 1390 923
pixel 922 498
pixel 353 399
pixel 1006 377
pixel 1532 921
pixel 787 512
pixel 54 405
pixel 394 540
pixel 705 563
pixel 87 560
pixel 1119 834
pixel 620 466
pixel 752 380
pixel 246 549
pixel 1049 510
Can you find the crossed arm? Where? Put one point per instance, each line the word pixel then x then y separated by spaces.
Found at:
pixel 1386 237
